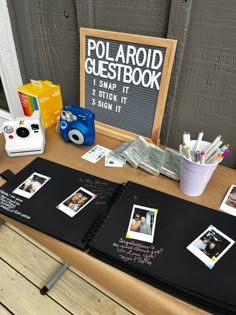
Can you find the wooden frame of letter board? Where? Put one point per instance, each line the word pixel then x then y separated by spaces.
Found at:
pixel 170 46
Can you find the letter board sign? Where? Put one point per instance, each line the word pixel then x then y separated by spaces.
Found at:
pixel 124 80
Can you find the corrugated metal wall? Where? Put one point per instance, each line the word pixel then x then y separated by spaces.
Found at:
pixel 201 94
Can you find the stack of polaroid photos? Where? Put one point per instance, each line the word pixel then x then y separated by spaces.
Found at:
pixel 149 157
pixel 116 157
pixel 152 160
pixel 171 164
pixel 135 152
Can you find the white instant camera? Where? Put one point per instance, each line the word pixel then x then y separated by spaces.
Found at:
pixel 25 135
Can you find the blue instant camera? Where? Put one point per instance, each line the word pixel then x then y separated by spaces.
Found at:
pixel 77 125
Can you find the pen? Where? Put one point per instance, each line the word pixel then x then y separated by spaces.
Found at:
pixel 56 276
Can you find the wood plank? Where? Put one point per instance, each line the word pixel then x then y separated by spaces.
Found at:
pixel 22 297
pixel 3 310
pixel 72 292
pixel 134 292
pixel 75 270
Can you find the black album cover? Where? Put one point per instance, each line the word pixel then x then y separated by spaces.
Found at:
pixel 57 200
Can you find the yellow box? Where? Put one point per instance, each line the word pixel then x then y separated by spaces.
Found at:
pixel 44 96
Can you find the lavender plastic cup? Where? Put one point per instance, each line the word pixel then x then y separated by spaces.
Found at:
pixel 194 177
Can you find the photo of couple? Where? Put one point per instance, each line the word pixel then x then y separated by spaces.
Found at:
pixel 142 223
pixel 139 224
pixel 210 246
pixel 76 202
pixel 31 185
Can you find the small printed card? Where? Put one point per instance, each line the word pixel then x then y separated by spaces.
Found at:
pixel 229 203
pixel 95 154
pixel 113 161
pixel 142 223
pixel 31 185
pixel 76 202
pixel 210 246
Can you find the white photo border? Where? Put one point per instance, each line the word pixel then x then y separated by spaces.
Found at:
pixel 226 208
pixel 71 212
pixel 210 263
pixel 21 192
pixel 95 154
pixel 142 236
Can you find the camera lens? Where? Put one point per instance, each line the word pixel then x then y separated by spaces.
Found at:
pixel 76 136
pixel 22 132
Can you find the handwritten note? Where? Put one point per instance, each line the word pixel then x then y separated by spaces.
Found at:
pixel 10 202
pixel 136 252
pixel 101 188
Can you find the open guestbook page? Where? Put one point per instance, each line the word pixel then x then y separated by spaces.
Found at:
pixel 180 247
pixel 57 200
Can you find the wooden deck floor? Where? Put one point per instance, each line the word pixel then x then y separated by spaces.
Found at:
pixel 26 266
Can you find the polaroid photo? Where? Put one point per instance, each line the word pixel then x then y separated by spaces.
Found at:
pixel 229 203
pixel 171 164
pixel 142 223
pixel 31 185
pixel 95 154
pixel 210 246
pixel 119 151
pixel 113 161
pixel 76 202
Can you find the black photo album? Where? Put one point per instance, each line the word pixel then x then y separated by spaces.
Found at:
pixel 57 200
pixel 180 247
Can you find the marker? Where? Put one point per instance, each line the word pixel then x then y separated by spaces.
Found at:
pixel 214 148
pixel 185 137
pixel 226 146
pixel 188 139
pixel 215 158
pixel 202 157
pixel 218 156
pixel 182 149
pixel 197 156
pixel 52 281
pixel 188 150
pixel 217 139
pixel 225 152
pixel 198 142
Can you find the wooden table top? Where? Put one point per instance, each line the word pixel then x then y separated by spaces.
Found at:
pixel 141 296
